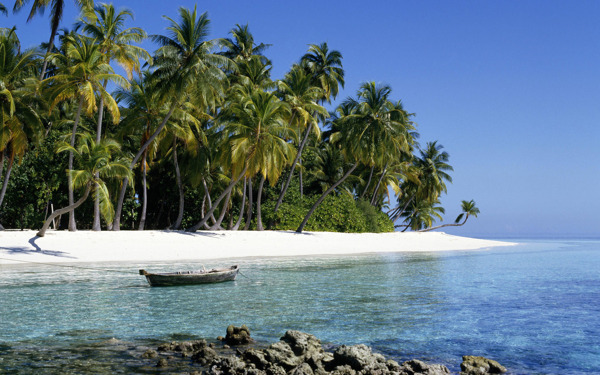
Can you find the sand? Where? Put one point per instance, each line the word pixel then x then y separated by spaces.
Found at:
pixel 146 246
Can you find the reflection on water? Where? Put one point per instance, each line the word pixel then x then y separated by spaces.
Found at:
pixel 532 307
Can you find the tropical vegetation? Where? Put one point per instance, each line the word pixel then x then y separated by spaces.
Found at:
pixel 197 134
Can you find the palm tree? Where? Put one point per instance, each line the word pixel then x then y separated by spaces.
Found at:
pixel 186 66
pixel 115 44
pixel 369 128
pixel 3 9
pixel 326 69
pixel 241 46
pixel 422 214
pixel 19 120
pixel 257 143
pixel 298 91
pixel 432 168
pixel 97 162
pixel 82 71
pixel 55 17
pixel 468 209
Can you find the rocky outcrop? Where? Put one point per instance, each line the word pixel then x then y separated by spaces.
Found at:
pixel 299 353
pixel 473 365
pixel 237 335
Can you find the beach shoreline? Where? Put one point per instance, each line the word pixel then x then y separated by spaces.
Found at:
pixel 18 247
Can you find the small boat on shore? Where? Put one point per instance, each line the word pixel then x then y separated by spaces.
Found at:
pixel 191 277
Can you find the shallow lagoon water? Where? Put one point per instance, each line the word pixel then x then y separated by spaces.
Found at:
pixel 532 307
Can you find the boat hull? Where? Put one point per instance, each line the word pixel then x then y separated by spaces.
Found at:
pixel 191 278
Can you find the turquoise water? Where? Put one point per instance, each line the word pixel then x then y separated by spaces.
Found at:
pixel 534 307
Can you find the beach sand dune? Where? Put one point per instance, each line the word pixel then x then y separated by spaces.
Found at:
pixel 135 246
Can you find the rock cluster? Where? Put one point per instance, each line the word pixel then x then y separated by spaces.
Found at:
pixel 237 335
pixel 299 353
pixel 473 365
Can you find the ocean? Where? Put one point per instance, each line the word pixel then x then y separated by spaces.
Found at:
pixel 533 307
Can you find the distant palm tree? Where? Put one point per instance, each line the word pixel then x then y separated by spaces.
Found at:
pixel 56 14
pixel 81 73
pixel 422 214
pixel 326 68
pixel 97 162
pixel 432 168
pixel 468 209
pixel 241 46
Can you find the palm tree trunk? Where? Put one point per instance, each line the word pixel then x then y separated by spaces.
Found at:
pixel 287 182
pixel 61 211
pixel 203 210
pixel 399 213
pixel 72 223
pixel 368 182
pixel 50 47
pixel 119 209
pixel 144 194
pixel 250 204
pixel 300 177
pixel 323 196
pixel 445 225
pixel 214 206
pixel 217 225
pixel 207 195
pixel 96 226
pixel 259 224
pixel 6 177
pixel 239 220
pixel 378 184
pixel 179 187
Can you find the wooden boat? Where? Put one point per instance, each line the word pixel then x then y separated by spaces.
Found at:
pixel 191 277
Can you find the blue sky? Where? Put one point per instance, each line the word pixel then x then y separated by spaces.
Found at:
pixel 510 88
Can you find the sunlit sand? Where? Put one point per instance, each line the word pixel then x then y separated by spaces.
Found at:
pixel 88 246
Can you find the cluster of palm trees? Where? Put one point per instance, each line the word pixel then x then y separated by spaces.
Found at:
pixel 211 110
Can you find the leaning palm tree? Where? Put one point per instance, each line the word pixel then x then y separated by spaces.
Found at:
pixel 56 14
pixel 468 209
pixel 185 66
pixel 81 73
pixel 107 28
pixel 98 163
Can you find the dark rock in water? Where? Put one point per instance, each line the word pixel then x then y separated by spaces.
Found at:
pixel 162 363
pixel 204 355
pixel 238 335
pixel 149 354
pixel 416 367
pixel 473 365
pixel 299 353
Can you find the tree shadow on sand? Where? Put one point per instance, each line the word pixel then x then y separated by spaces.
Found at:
pixel 37 250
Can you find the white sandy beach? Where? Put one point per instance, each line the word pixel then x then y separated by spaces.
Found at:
pixel 136 246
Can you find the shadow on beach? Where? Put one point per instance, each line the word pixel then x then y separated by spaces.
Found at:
pixel 37 250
